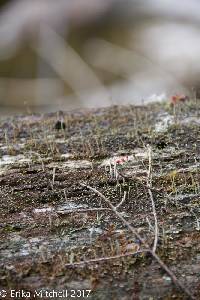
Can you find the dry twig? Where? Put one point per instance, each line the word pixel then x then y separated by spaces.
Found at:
pixel 103 258
pixel 143 242
pixel 82 210
pixel 149 185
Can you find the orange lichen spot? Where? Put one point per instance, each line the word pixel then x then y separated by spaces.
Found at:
pixel 175 99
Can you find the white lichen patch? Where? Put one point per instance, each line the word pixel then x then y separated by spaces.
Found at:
pixel 77 164
pixel 9 159
pixel 182 197
pixel 71 164
pixel 60 141
pixel 189 168
pixel 42 246
pixel 141 153
pixel 4 147
pixel 43 210
pixel 66 155
pixel 136 156
pixel 94 231
pixel 164 120
pixel 190 120
pixel 137 172
pixel 115 160
pixel 17 146
pixel 69 206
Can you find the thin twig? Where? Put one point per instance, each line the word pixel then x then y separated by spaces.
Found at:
pixel 113 208
pixel 122 201
pixel 54 175
pixel 154 255
pixel 149 184
pixel 69 211
pixel 155 221
pixel 89 261
pixel 149 173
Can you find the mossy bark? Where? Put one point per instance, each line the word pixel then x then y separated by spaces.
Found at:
pixel 49 221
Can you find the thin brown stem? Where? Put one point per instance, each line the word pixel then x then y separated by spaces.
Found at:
pixel 102 259
pixel 149 185
pixel 145 244
pixel 82 210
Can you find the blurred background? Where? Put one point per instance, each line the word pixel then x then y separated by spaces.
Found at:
pixel 67 54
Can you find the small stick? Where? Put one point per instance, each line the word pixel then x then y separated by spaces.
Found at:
pixel 154 255
pixel 155 221
pixel 54 175
pixel 149 185
pixel 113 208
pixel 69 211
pixel 104 258
pixel 122 201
